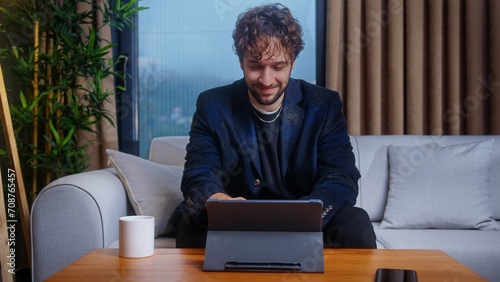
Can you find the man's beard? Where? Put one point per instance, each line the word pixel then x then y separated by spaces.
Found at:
pixel 259 99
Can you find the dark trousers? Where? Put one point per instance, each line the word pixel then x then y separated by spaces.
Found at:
pixel 350 227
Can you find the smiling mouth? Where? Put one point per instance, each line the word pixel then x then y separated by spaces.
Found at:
pixel 267 90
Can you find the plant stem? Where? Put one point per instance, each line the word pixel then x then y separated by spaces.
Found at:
pixel 48 107
pixel 35 110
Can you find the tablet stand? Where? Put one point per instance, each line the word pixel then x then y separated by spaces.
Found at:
pixel 260 235
pixel 273 251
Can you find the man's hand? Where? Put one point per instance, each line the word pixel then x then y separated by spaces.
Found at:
pixel 222 196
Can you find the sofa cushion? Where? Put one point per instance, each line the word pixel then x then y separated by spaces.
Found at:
pixel 153 189
pixel 476 249
pixel 372 161
pixel 169 150
pixel 440 187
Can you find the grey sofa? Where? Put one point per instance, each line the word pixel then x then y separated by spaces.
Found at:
pixel 78 213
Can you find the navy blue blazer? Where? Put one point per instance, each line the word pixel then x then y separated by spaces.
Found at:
pixel 315 153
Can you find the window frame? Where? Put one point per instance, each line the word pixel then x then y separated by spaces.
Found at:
pixel 127 101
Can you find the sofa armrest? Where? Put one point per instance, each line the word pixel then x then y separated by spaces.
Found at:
pixel 74 215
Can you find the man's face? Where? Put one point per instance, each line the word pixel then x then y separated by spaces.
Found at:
pixel 267 78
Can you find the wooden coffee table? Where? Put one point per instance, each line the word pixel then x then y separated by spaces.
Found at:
pixel 187 265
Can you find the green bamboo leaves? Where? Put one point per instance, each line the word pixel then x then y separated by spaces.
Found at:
pixel 61 79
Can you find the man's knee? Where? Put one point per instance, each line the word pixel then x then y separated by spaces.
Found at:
pixel 191 234
pixel 350 228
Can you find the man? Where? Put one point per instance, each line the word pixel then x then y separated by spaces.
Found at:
pixel 268 136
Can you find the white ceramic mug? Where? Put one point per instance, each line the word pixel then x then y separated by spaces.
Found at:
pixel 136 236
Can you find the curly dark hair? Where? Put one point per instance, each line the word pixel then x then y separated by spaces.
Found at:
pixel 257 28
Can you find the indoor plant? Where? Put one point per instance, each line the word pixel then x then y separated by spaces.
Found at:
pixel 59 60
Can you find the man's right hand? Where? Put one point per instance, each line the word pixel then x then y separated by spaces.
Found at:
pixel 223 196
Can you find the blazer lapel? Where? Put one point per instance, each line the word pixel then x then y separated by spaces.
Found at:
pixel 293 117
pixel 242 117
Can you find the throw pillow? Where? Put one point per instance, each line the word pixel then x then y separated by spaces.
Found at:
pixel 153 189
pixel 440 187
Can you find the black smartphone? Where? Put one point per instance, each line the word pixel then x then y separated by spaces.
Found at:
pixel 395 275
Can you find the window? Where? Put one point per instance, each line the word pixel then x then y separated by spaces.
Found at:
pixel 185 48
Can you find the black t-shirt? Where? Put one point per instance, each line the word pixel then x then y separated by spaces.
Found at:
pixel 267 128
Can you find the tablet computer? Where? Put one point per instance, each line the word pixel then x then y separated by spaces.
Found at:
pixel 264 236
pixel 265 215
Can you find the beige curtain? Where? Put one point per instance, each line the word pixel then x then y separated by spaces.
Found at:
pixel 416 66
pixel 107 135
